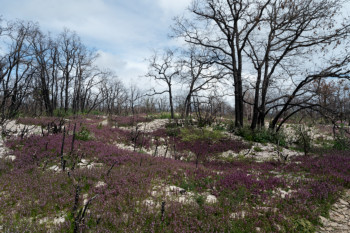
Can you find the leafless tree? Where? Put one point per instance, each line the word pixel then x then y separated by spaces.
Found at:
pixel 165 68
pixel 290 33
pixel 84 69
pixel 301 98
pixel 267 39
pixel 68 45
pixel 41 46
pixel 115 96
pixel 197 74
pixel 16 68
pixel 37 72
pixel 224 28
pixel 134 96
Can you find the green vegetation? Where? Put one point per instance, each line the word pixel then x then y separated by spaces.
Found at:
pixel 83 134
pixel 262 136
pixel 304 226
pixel 304 137
pixel 219 127
pixel 194 134
pixel 341 142
pixel 164 115
pixel 172 129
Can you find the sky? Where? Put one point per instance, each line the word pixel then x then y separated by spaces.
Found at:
pixel 123 32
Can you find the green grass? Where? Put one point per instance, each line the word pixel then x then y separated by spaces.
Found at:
pixel 262 136
pixel 83 134
pixel 164 115
pixel 194 134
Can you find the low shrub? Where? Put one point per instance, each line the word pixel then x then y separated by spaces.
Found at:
pixel 304 138
pixel 83 134
pixel 172 129
pixel 219 127
pixel 262 136
pixel 230 126
pixel 163 115
pixel 342 140
pixel 341 143
pixel 194 134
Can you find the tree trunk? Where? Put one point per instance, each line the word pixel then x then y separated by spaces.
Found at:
pixel 171 102
pixel 66 94
pixel 256 102
pixel 238 104
pixel 188 105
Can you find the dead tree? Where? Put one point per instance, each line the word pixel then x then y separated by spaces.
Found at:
pixel 223 28
pixel 165 69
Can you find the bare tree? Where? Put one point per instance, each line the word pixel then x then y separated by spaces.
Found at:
pixel 198 74
pixel 165 68
pixel 93 90
pixel 266 39
pixel 38 71
pixel 16 68
pixel 288 35
pixel 68 48
pixel 134 96
pixel 84 68
pixel 41 50
pixel 301 98
pixel 115 96
pixel 224 28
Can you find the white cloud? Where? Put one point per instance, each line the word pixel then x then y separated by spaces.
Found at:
pixel 131 72
pixel 110 61
pixel 175 6
pixel 123 32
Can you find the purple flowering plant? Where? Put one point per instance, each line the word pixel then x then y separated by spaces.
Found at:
pixel 105 188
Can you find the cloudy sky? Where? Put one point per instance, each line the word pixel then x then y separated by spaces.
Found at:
pixel 124 32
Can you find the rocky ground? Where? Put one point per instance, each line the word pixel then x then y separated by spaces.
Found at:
pixel 339 217
pixel 263 152
pixel 148 126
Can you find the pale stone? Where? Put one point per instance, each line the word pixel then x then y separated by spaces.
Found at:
pixel 85 198
pixel 154 193
pixel 185 200
pixel 59 220
pixel 54 168
pixel 54 221
pixel 100 184
pixel 211 199
pixel 104 123
pixel 11 157
pixel 43 220
pixel 333 224
pixel 238 215
pixel 324 221
pixel 173 188
pixel 343 202
pixel 148 202
pixel 84 161
pixel 151 203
